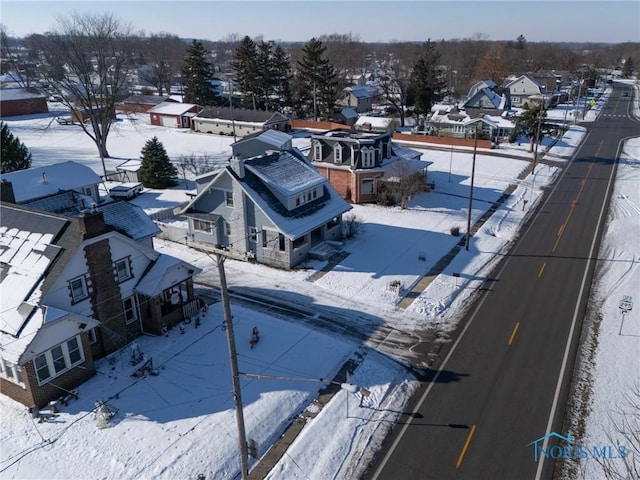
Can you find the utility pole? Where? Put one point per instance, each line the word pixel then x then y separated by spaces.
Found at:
pixel 473 170
pixel 233 360
pixel 233 123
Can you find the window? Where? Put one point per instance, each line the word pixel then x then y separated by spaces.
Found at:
pixel 368 158
pixel 281 242
pixel 93 336
pixel 123 270
pixel 337 154
pixel 317 151
pixel 42 368
pixel 253 234
pixel 129 306
pixel 58 360
pixel 315 193
pixel 202 226
pixel 78 289
pixel 367 187
pixel 227 228
pixel 229 198
pixel 458 129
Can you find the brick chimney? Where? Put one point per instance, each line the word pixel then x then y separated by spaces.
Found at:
pixel 92 223
pixel 6 191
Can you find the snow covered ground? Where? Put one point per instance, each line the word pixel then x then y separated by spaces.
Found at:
pixel 180 423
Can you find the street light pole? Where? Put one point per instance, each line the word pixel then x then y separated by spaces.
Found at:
pixel 235 375
pixel 473 170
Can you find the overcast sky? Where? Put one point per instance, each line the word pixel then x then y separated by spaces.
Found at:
pixel 366 20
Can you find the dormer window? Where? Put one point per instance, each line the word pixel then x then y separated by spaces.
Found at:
pixel 337 154
pixel 368 158
pixel 317 151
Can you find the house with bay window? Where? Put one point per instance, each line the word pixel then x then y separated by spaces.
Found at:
pixel 75 289
pixel 274 209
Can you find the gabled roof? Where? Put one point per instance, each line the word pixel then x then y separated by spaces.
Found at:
pixel 261 172
pixel 284 172
pixel 525 77
pixel 172 108
pixel 164 273
pixel 241 115
pixel 40 182
pixel 275 138
pixel 361 91
pixel 485 98
pixel 124 217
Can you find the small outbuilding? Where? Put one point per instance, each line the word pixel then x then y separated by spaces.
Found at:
pixel 22 101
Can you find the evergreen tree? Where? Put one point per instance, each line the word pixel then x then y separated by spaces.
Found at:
pixel 281 78
pixel 156 170
pixel 427 83
pixel 245 65
pixel 197 77
pixel 265 75
pixel 531 123
pixel 627 68
pixel 318 84
pixel 15 156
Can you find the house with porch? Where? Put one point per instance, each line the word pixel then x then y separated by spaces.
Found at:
pixel 274 209
pixel 358 164
pixel 110 286
pixel 459 123
pixel 239 122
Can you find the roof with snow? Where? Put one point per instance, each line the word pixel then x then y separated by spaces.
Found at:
pixel 39 182
pixel 275 138
pixel 285 172
pixel 376 122
pixel 166 272
pixel 172 108
pixel 361 91
pixel 20 93
pixel 145 99
pixel 132 165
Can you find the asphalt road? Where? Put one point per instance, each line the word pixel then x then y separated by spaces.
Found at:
pixel 504 383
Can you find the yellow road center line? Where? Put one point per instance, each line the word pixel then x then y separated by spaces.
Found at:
pixel 515 330
pixel 542 269
pixel 466 445
pixel 574 202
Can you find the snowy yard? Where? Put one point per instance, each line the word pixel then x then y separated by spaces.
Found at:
pixel 181 422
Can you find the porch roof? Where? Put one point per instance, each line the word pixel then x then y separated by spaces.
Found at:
pixel 165 272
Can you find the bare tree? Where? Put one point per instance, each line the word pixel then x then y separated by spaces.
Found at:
pixel 394 82
pixel 17 61
pixel 625 437
pixel 162 56
pixel 403 182
pixel 87 61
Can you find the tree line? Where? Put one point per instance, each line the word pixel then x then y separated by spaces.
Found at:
pixel 91 60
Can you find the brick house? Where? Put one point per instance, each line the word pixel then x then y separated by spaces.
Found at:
pixel 83 273
pixel 357 164
pixel 142 103
pixel 22 101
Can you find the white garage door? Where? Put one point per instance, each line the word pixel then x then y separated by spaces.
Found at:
pixel 169 121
